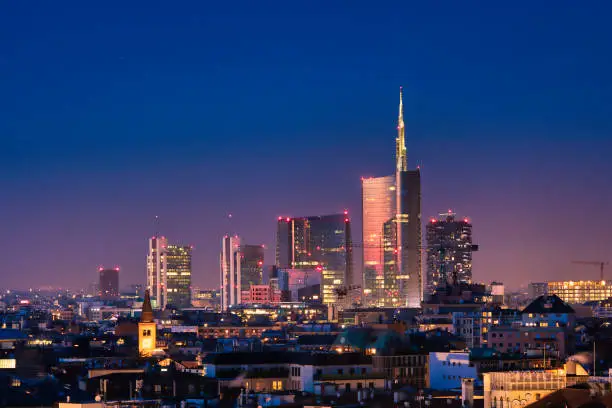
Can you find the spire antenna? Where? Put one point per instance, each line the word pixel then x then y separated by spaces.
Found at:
pixel 400 141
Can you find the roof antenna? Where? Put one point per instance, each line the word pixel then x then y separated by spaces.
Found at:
pixel 156 226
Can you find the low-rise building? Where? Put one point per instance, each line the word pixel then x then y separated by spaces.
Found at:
pixel 532 341
pixel 548 311
pixel 446 370
pixel 520 388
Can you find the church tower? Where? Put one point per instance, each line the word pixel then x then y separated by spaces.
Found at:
pixel 147 330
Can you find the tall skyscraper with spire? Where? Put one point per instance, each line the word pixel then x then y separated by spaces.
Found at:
pixel 392 231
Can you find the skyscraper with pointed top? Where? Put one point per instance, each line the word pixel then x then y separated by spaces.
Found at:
pixel 392 231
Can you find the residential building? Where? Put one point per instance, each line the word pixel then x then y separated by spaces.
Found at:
pixel 318 373
pixel 321 243
pixel 548 311
pixel 473 325
pixel 449 251
pixel 407 368
pixel 109 283
pixel 178 272
pixel 329 373
pixel 446 370
pixel 156 271
pixel 554 342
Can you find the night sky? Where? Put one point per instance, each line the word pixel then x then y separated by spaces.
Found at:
pixel 113 113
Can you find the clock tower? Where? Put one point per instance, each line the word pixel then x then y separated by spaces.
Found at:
pixel 147 330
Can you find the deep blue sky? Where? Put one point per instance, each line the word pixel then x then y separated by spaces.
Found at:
pixel 112 113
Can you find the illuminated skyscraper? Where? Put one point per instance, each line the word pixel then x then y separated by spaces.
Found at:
pixel 449 251
pixel 409 238
pixel 230 271
pixel 378 206
pixel 109 283
pixel 392 232
pixel 251 265
pixel 322 243
pixel 178 259
pixel 156 271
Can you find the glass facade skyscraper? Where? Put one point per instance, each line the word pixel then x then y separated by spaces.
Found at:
pixel 109 283
pixel 449 251
pixel 156 271
pixel 409 239
pixel 392 270
pixel 378 207
pixel 251 265
pixel 322 243
pixel 230 271
pixel 178 274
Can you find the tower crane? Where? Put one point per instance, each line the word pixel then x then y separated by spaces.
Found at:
pixel 601 265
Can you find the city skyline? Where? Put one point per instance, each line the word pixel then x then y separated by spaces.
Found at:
pixel 94 142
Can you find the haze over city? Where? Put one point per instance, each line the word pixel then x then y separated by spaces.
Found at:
pixel 114 115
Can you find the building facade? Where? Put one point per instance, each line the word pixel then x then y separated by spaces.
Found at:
pixel 230 271
pixel 378 207
pixel 109 283
pixel 449 251
pixel 578 292
pixel 251 265
pixel 178 260
pixel 156 271
pixel 322 243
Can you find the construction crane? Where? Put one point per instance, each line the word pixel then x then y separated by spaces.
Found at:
pixel 601 265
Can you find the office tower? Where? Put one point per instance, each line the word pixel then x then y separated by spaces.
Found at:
pixel 147 328
pixel 251 265
pixel 230 271
pixel 449 251
pixel 392 232
pixel 93 289
pixel 409 237
pixel 319 242
pixel 178 260
pixel 109 283
pixel 156 271
pixel 378 207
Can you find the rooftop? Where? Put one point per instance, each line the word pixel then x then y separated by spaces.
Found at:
pixel 548 304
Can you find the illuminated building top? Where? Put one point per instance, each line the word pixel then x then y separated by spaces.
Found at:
pixel 400 142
